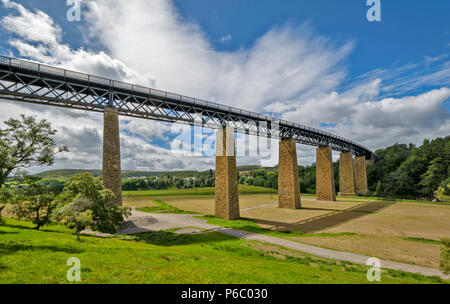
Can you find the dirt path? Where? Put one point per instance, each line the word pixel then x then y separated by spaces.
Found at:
pixel 142 221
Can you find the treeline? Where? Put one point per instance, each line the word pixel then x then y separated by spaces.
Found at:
pixel 269 178
pixel 400 171
pixel 184 181
pixel 408 171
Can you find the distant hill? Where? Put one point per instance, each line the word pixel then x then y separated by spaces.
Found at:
pixel 64 174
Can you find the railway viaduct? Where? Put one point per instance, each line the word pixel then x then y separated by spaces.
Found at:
pixel 31 82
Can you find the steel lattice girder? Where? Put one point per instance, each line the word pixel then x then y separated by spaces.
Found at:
pixel 35 83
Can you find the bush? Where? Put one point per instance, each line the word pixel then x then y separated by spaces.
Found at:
pixel 106 215
pixel 76 215
pixel 445 256
pixel 35 203
pixel 443 192
pixel 5 197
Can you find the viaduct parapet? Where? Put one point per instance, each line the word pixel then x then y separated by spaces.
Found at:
pixel 31 82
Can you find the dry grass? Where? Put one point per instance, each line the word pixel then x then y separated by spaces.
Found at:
pixel 379 226
pixel 383 246
pixel 138 202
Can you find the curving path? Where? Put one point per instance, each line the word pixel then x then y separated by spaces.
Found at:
pixel 142 221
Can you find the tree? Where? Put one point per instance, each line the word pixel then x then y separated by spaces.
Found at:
pixel 77 214
pixel 35 203
pixel 106 215
pixel 26 142
pixel 5 196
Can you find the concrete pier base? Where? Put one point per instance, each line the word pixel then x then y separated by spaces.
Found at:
pixel 112 178
pixel 288 184
pixel 226 192
pixel 346 174
pixel 360 175
pixel 325 188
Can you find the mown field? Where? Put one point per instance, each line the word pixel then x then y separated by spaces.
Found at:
pixel 30 256
pixel 408 232
pixel 243 189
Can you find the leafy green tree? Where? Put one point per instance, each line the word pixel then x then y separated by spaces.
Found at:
pixel 35 203
pixel 433 177
pixel 380 189
pixel 76 214
pixel 410 171
pixel 106 215
pixel 24 143
pixel 443 192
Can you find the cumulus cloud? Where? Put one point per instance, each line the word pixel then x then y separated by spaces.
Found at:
pixel 39 38
pixel 290 72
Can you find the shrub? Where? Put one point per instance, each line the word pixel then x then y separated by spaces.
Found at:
pixel 76 215
pixel 106 215
pixel 35 203
pixel 445 256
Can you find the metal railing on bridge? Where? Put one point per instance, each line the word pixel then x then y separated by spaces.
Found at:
pixel 27 81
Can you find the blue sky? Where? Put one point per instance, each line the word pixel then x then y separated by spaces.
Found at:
pixel 410 30
pixel 320 63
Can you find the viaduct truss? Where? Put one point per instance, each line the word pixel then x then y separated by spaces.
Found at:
pixel 26 81
pixel 31 82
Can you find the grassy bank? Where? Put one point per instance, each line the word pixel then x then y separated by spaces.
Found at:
pixel 30 256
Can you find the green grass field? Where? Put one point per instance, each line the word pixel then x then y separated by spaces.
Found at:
pixel 30 256
pixel 243 189
pixel 163 208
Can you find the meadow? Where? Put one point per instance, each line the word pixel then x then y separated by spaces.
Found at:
pixel 31 256
pixel 408 232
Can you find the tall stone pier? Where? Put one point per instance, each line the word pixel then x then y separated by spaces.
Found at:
pixel 112 178
pixel 325 188
pixel 346 174
pixel 360 175
pixel 226 194
pixel 288 185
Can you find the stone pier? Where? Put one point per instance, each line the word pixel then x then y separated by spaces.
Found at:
pixel 288 185
pixel 325 188
pixel 227 197
pixel 360 175
pixel 346 174
pixel 112 178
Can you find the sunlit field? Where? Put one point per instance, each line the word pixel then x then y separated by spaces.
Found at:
pixel 30 256
pixel 408 232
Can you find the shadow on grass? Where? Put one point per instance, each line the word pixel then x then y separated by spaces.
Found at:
pixel 13 247
pixel 60 229
pixel 3 267
pixel 8 232
pixel 328 220
pixel 168 238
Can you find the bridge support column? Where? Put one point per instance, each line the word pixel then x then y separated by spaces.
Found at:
pixel 325 188
pixel 361 175
pixel 346 174
pixel 112 178
pixel 288 185
pixel 226 193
